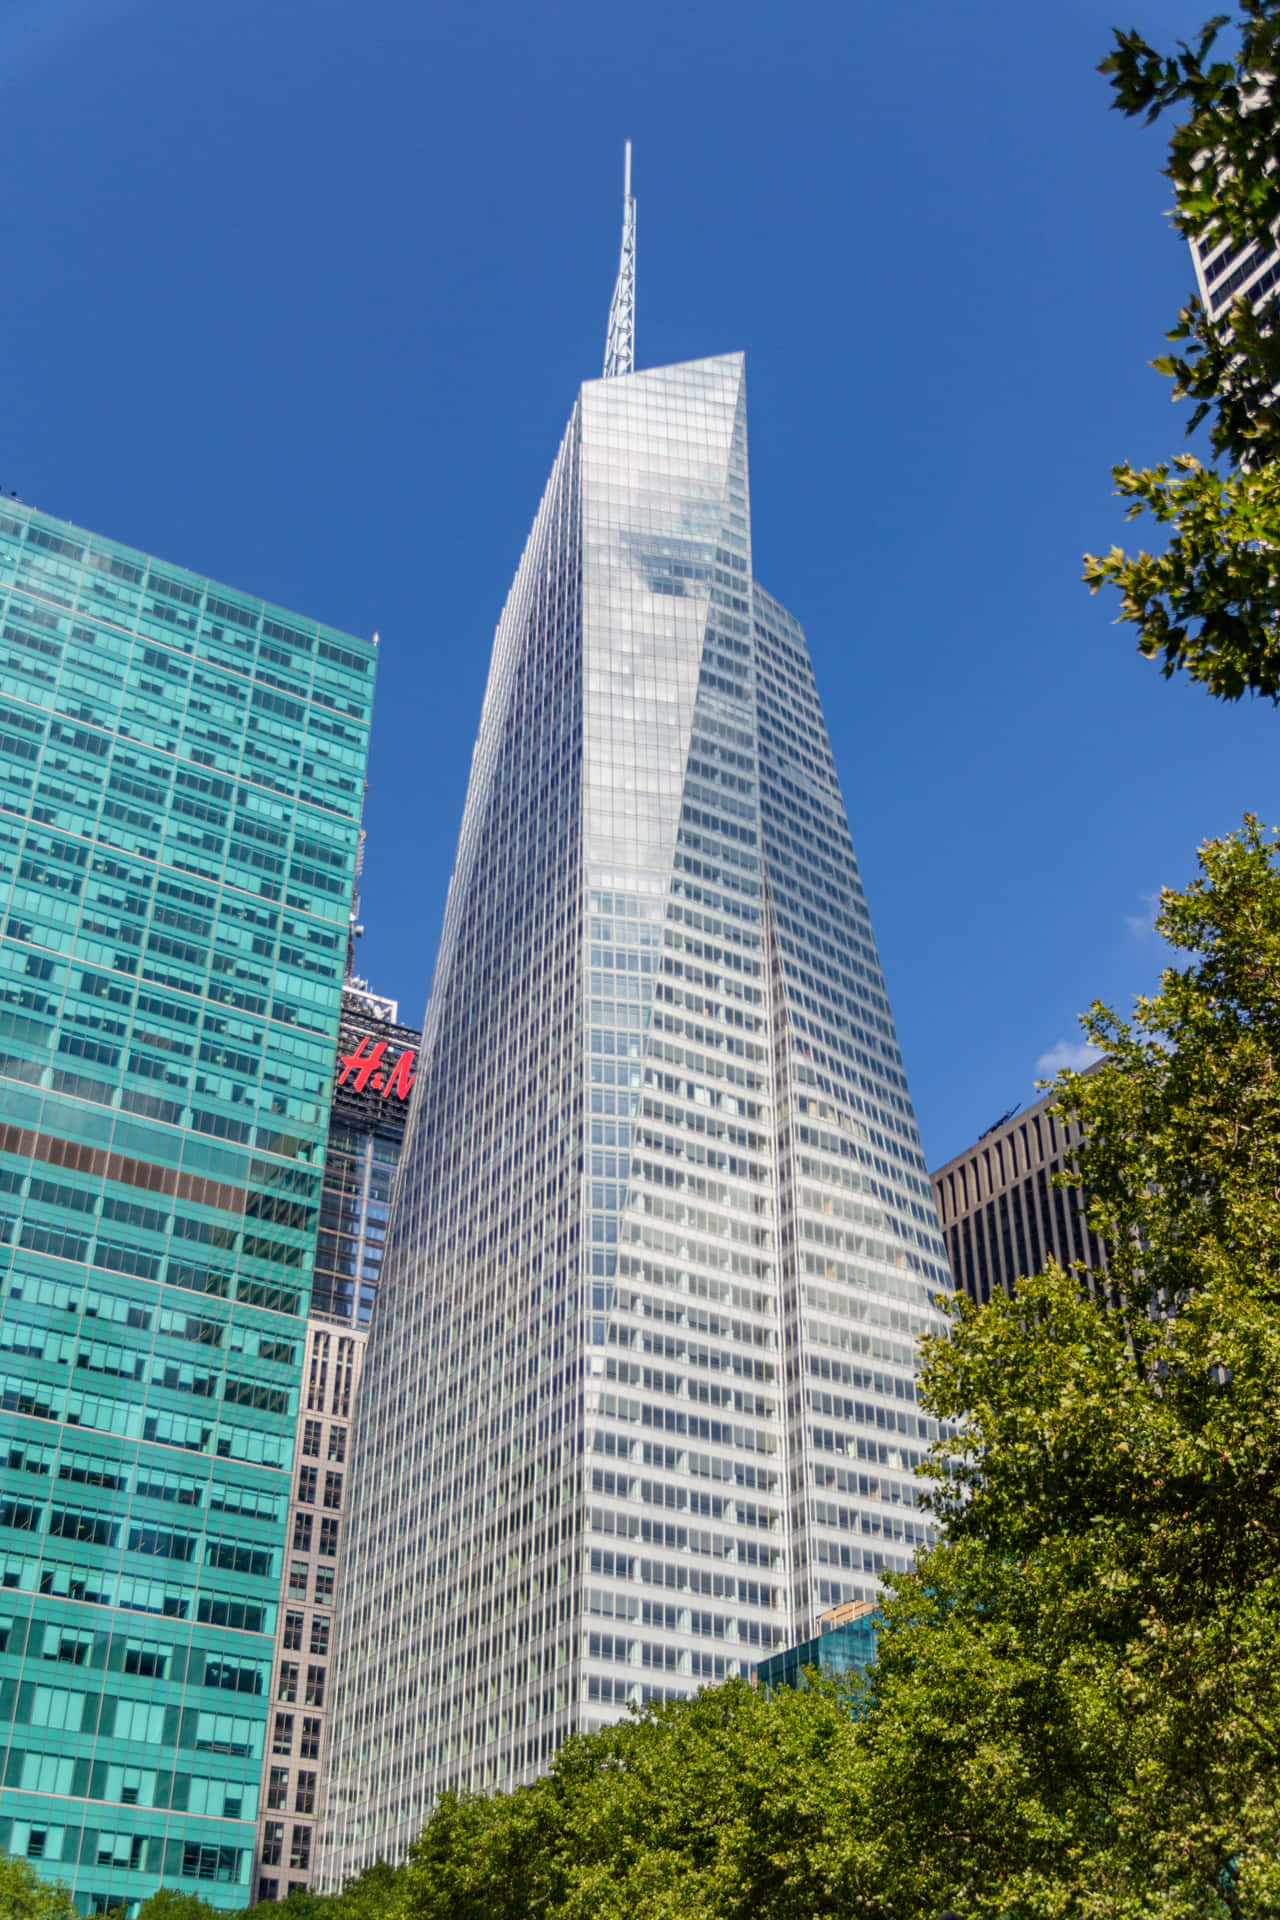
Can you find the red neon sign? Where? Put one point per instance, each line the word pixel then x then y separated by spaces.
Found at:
pixel 364 1069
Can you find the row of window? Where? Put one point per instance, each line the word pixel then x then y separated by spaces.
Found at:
pixel 309 1735
pixel 326 1543
pixel 272 1853
pixel 304 1795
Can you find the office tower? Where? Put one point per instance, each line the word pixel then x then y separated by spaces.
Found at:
pixel 183 771
pixel 372 1080
pixel 1001 1217
pixel 638 1402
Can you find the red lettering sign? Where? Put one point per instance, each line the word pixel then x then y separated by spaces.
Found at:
pixel 363 1069
pixel 362 1064
pixel 401 1078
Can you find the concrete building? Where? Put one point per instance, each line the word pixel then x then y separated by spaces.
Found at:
pixel 1001 1217
pixel 1225 272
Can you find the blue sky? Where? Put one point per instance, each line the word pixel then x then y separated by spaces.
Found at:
pixel 299 295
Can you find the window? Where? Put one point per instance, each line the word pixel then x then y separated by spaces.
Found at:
pixel 333 1489
pixel 293 1632
pixel 121 1850
pixel 73 1648
pixel 311 1431
pixel 302 1533
pixel 307 1485
pixel 309 1745
pixel 147 1657
pixel 288 1687
pixel 298 1579
pixel 282 1737
pixel 305 1798
pixel 210 1863
pixel 300 1848
pixel 315 1686
pixel 324 1586
pixel 337 1443
pixel 272 1842
pixel 268 1889
pixel 320 1634
pixel 277 1788
pixel 328 1536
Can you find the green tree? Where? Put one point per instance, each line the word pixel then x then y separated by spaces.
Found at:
pixel 24 1896
pixel 166 1903
pixel 1079 1690
pixel 373 1894
pixel 1209 603
pixel 726 1805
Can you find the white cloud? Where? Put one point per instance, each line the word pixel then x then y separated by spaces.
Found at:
pixel 1076 1054
pixel 1141 924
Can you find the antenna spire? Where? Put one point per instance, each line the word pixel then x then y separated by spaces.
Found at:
pixel 620 346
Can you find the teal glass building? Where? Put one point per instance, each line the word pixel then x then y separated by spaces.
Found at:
pixel 844 1643
pixel 181 776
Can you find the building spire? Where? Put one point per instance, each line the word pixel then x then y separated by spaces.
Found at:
pixel 620 347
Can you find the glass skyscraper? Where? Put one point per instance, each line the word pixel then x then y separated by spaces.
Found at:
pixel 639 1400
pixel 181 779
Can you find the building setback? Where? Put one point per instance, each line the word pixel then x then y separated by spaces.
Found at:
pixel 372 1081
pixel 1001 1216
pixel 639 1401
pixel 181 777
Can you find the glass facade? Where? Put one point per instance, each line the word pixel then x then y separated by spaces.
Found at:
pixel 372 1082
pixel 639 1401
pixel 181 777
pixel 845 1643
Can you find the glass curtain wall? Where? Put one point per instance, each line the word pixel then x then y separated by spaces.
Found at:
pixel 181 777
pixel 638 1402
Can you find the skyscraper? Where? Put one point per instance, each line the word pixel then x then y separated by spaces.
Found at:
pixel 373 1077
pixel 638 1402
pixel 182 778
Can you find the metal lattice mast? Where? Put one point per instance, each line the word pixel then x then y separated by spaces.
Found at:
pixel 620 347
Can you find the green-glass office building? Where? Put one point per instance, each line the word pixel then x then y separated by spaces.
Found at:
pixel 181 775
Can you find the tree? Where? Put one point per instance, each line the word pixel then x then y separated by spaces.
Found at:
pixel 1079 1689
pixel 1209 604
pixel 166 1903
pixel 724 1807
pixel 24 1896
